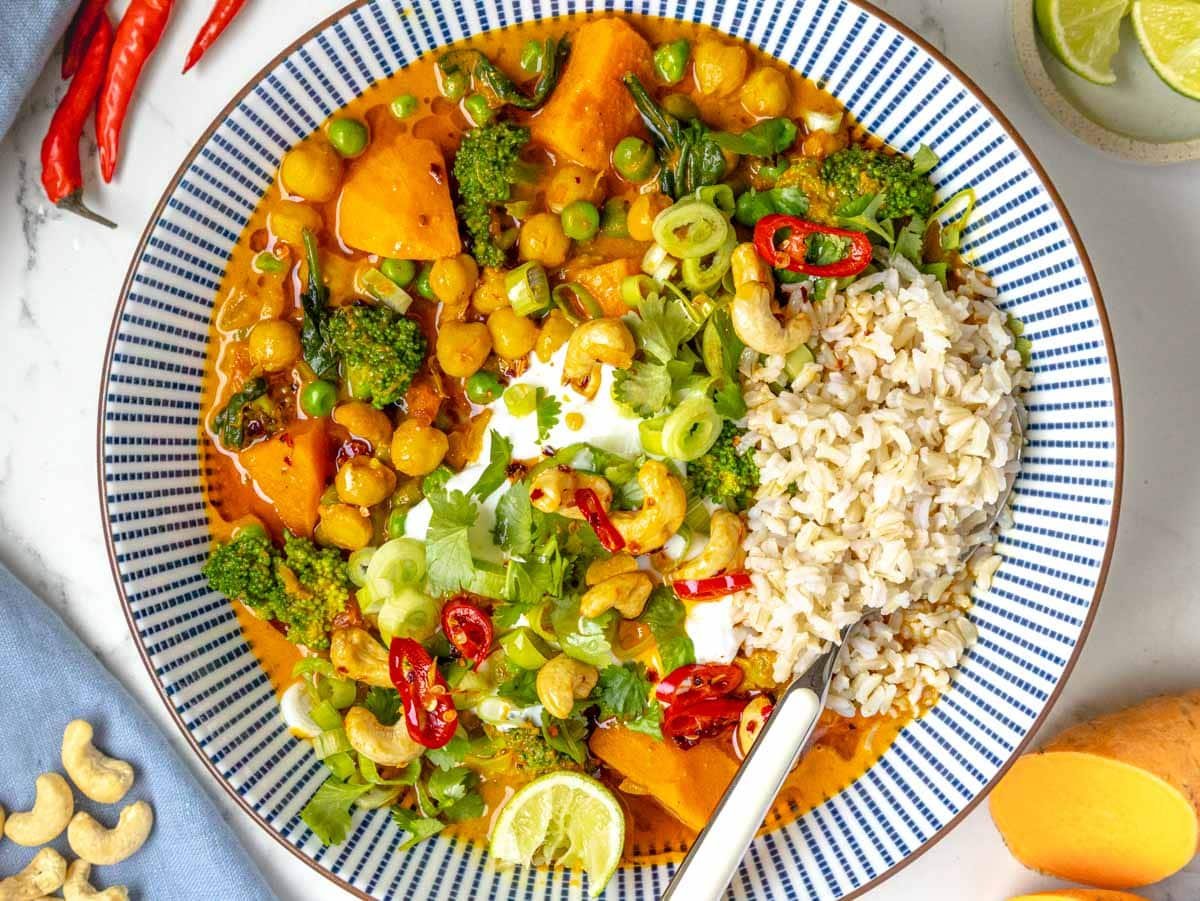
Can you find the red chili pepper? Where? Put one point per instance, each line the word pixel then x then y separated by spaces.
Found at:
pixel 428 709
pixel 699 680
pixel 79 34
pixel 223 13
pixel 469 629
pixel 589 505
pixel 712 587
pixel 62 176
pixel 686 722
pixel 138 34
pixel 790 253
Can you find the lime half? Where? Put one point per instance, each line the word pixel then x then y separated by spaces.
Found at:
pixel 1169 32
pixel 565 819
pixel 1083 34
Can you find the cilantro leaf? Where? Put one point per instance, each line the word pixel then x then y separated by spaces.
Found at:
pixel 469 807
pixel 623 691
pixel 581 637
pixel 328 813
pixel 505 616
pixel 861 214
pixel 729 402
pixel 661 326
pixel 447 543
pixel 566 736
pixel 449 785
pixel 450 754
pixel 497 469
pixel 521 689
pixel 645 388
pixel 548 411
pixel 418 827
pixel 665 615
pixel 649 722
pixel 514 521
pixel 384 704
pixel 528 582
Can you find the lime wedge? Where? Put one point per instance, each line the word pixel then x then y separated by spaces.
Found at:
pixel 566 819
pixel 1083 34
pixel 1169 32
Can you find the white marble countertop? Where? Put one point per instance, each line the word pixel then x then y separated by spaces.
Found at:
pixel 62 277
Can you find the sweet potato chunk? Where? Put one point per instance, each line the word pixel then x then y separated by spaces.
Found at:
pixel 1080 894
pixel 290 471
pixel 396 202
pixel 590 110
pixel 604 282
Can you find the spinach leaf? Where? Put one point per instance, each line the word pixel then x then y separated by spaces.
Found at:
pixel 472 62
pixel 767 138
pixel 688 156
pixel 230 423
pixel 318 350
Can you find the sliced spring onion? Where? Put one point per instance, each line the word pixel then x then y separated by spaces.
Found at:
pixel 528 289
pixel 637 289
pixel 720 196
pixel 326 716
pixel 964 200
pixel 340 693
pixel 409 613
pixel 525 649
pixel 924 160
pixel 697 518
pixel 658 264
pixel 386 291
pixel 795 362
pixel 521 400
pixel 815 120
pixel 356 566
pixel 691 429
pixel 705 273
pixel 397 563
pixel 650 431
pixel 341 765
pixel 690 228
pixel 308 665
pixel 576 302
pixel 538 622
pixel 377 797
pixel 330 742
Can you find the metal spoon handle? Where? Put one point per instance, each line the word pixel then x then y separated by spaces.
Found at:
pixel 718 850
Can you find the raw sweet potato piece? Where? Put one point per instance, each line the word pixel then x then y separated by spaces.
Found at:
pixel 590 110
pixel 1114 802
pixel 396 202
pixel 604 282
pixel 290 471
pixel 1080 894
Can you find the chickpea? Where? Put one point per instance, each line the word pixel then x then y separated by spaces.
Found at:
pixel 312 170
pixel 513 335
pixel 364 482
pixel 572 182
pixel 766 93
pixel 543 239
pixel 274 345
pixel 288 221
pixel 556 331
pixel 453 279
pixel 491 293
pixel 418 449
pixel 642 213
pixel 462 348
pixel 720 68
pixel 344 526
pixel 363 421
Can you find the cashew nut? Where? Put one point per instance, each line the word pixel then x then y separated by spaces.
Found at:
pixel 661 514
pixel 625 592
pixel 602 570
pixel 561 681
pixel 103 779
pixel 553 490
pixel 385 745
pixel 49 816
pixel 596 341
pixel 44 874
pixel 751 313
pixel 356 655
pixel 722 553
pixel 77 887
pixel 102 847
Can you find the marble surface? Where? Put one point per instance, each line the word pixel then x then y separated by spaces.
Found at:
pixel 62 277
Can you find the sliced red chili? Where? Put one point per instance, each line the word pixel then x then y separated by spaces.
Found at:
pixel 686 722
pixel 469 629
pixel 712 587
pixel 429 711
pixel 699 680
pixel 589 505
pixel 789 252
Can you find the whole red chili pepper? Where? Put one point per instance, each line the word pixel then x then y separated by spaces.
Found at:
pixel 428 708
pixel 79 34
pixel 223 13
pixel 694 681
pixel 138 34
pixel 687 722
pixel 62 176
pixel 712 587
pixel 791 252
pixel 589 505
pixel 469 629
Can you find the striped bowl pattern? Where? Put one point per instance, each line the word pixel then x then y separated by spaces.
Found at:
pixel 1031 621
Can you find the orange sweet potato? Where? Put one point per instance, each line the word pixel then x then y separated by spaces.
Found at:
pixel 396 202
pixel 1114 802
pixel 290 471
pixel 590 110
pixel 1080 894
pixel 604 282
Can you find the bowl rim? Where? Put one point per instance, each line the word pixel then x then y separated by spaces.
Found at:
pixel 979 95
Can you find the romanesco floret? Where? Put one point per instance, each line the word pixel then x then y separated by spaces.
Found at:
pixel 485 167
pixel 380 350
pixel 726 474
pixel 857 171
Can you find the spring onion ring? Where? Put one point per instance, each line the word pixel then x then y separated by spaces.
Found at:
pixel 690 228
pixel 952 232
pixel 528 289
pixel 576 302
pixel 637 289
pixel 691 429
pixel 705 273
pixel 720 196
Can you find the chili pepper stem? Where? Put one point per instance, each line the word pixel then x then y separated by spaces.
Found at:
pixel 73 203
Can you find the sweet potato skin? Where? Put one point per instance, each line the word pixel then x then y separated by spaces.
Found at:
pixel 290 471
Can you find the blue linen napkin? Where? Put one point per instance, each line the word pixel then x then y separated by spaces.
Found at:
pixel 47 679
pixel 29 30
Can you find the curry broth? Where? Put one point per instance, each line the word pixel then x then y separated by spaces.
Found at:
pixel 844 750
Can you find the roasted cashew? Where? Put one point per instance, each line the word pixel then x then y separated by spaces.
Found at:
pixel 101 847
pixel 385 745
pixel 751 313
pixel 49 815
pixel 561 681
pixel 662 510
pixel 626 593
pixel 722 553
pixel 596 341
pixel 553 490
pixel 356 655
pixel 103 779
pixel 602 570
pixel 77 887
pixel 44 874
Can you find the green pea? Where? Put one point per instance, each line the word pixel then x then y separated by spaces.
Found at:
pixel 348 136
pixel 404 106
pixel 533 57
pixel 670 61
pixel 483 388
pixel 268 262
pixel 422 282
pixel 614 220
pixel 402 272
pixel 634 159
pixel 580 220
pixel 454 84
pixel 681 106
pixel 396 522
pixel 318 398
pixel 478 109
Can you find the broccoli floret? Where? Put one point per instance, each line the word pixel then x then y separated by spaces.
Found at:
pixel 380 351
pixel 532 757
pixel 724 475
pixel 245 569
pixel 856 171
pixel 486 166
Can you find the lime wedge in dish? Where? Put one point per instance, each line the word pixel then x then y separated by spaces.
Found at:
pixel 565 819
pixel 1083 34
pixel 1169 32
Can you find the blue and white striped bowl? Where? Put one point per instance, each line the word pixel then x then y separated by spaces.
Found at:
pixel 1031 622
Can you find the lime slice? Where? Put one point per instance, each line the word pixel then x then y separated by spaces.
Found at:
pixel 1083 34
pixel 1169 32
pixel 566 819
